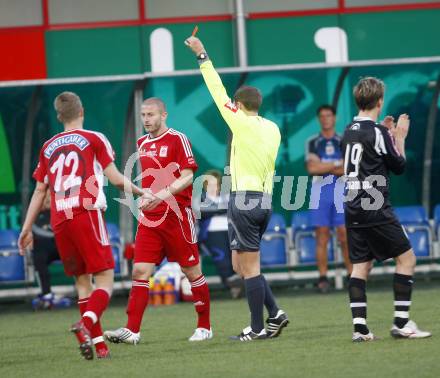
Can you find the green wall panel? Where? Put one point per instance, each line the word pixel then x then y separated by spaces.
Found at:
pixel 92 52
pixel 217 36
pixel 392 34
pixel 370 36
pixel 126 50
pixel 286 40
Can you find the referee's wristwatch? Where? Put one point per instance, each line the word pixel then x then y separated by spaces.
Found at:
pixel 202 57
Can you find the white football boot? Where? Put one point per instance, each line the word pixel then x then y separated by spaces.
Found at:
pixel 122 335
pixel 359 337
pixel 201 334
pixel 409 331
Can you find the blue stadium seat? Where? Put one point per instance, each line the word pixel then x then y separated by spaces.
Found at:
pixel 414 215
pixel 301 221
pixel 113 232
pixel 273 245
pixel 303 234
pixel 117 257
pixel 11 263
pixel 420 241
pixel 115 241
pixel 276 223
pixel 306 247
pixel 416 223
pixel 8 238
pixel 437 221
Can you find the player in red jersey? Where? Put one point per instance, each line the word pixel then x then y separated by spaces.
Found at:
pixel 72 164
pixel 166 225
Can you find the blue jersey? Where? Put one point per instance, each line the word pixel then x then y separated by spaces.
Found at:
pixel 328 150
pixel 326 202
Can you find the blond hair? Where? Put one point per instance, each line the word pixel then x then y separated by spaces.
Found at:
pixel 156 101
pixel 68 107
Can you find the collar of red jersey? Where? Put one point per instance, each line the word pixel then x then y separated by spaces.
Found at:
pixel 148 140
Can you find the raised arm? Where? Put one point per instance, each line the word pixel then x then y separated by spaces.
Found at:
pixel 394 141
pixel 229 111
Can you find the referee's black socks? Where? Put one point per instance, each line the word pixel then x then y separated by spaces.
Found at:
pixel 255 293
pixel 358 305
pixel 269 300
pixel 402 298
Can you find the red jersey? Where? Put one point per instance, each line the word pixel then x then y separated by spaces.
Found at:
pixel 72 164
pixel 162 159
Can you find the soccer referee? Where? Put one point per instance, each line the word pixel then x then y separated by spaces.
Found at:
pixel 254 150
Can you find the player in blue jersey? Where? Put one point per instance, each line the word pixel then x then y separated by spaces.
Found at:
pixel 324 162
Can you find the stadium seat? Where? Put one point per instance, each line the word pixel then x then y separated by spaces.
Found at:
pixel 115 241
pixel 117 257
pixel 420 241
pixel 437 221
pixel 303 234
pixel 413 215
pixel 276 223
pixel 416 223
pixel 306 248
pixel 301 222
pixel 113 232
pixel 273 245
pixel 12 265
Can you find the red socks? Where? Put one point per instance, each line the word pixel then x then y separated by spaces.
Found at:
pixel 96 305
pixel 202 304
pixel 96 331
pixel 137 302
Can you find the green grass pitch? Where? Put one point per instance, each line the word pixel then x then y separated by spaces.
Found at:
pixel 316 343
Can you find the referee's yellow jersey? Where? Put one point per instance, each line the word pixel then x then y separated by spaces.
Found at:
pixel 255 140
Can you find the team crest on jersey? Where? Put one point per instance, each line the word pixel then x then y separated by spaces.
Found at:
pixel 231 106
pixel 329 149
pixel 163 151
pixel 65 140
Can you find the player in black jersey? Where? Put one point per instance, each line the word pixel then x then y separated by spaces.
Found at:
pixel 371 151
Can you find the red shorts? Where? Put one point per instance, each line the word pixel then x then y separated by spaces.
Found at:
pixel 172 238
pixel 83 244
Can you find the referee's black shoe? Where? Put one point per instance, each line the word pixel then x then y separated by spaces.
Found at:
pixel 275 325
pixel 248 335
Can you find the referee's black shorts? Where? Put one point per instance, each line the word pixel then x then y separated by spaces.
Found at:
pixel 380 242
pixel 248 216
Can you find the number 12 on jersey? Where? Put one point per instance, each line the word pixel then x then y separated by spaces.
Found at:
pixel 353 157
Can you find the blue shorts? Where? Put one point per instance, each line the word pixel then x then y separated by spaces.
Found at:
pixel 326 206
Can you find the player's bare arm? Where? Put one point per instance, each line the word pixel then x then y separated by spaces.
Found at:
pixel 120 181
pixel 181 183
pixel 25 240
pixel 338 168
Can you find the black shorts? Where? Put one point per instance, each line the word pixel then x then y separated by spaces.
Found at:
pixel 248 216
pixel 381 242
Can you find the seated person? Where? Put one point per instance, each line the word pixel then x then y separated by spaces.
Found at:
pixel 213 234
pixel 44 253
